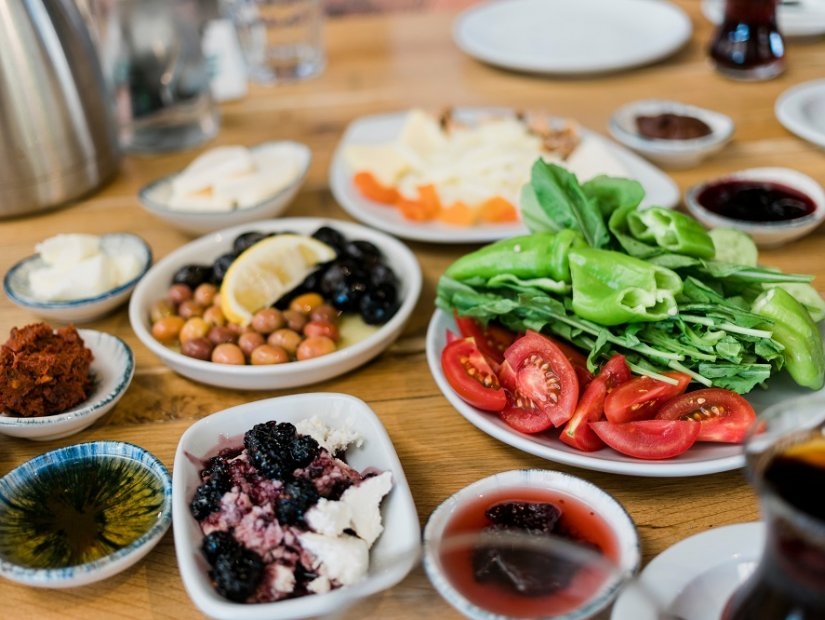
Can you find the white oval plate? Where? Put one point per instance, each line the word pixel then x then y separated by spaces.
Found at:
pixel 563 37
pixel 805 19
pixel 659 188
pixel 694 578
pixel 702 458
pixel 801 110
pixel 204 250
pixel 391 558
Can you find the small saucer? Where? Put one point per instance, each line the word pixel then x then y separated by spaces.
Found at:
pixel 801 110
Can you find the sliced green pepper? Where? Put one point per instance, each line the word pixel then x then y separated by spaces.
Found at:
pixel 795 330
pixel 538 255
pixel 672 230
pixel 610 288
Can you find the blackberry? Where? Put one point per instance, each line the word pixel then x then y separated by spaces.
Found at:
pixel 217 544
pixel 296 498
pixel 271 464
pixel 237 573
pixel 303 449
pixel 284 432
pixel 533 517
pixel 207 498
pixel 268 447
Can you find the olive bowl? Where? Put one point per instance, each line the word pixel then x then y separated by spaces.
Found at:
pixel 155 285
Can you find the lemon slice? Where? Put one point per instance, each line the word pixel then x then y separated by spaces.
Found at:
pixel 266 271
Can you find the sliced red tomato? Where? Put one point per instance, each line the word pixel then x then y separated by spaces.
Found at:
pixel 648 439
pixel 469 374
pixel 578 360
pixel 450 336
pixel 641 397
pixel 540 378
pixel 590 408
pixel 723 415
pixel 491 340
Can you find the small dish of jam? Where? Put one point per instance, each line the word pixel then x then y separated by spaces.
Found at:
pixel 670 133
pixel 772 205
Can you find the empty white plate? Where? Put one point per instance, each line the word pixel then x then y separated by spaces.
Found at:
pixel 801 110
pixel 563 37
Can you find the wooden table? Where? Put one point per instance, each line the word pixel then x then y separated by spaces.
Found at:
pixel 390 63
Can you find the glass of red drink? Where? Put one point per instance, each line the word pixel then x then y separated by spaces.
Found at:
pixel 786 465
pixel 747 44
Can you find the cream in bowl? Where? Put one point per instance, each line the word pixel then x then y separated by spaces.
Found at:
pixel 77 277
pixel 82 513
pixel 773 205
pixel 229 185
pixel 670 133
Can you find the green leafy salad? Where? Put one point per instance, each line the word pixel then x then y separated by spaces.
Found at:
pixel 652 284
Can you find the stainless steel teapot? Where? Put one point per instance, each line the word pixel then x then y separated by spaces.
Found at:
pixel 58 135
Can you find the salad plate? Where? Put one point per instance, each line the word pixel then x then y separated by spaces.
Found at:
pixel 694 578
pixel 701 459
pixel 659 188
pixel 805 18
pixel 571 38
pixel 800 109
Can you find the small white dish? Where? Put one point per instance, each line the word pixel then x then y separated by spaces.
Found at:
pixel 571 38
pixel 694 578
pixel 155 196
pixel 805 18
pixel 766 234
pixel 391 557
pixel 135 506
pixel 204 250
pixel 665 152
pixel 113 367
pixel 597 504
pixel 17 288
pixel 801 110
pixel 659 188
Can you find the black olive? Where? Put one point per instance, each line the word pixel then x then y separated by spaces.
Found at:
pixel 378 304
pixel 382 274
pixel 221 265
pixel 347 298
pixel 246 240
pixel 193 275
pixel 340 274
pixel 363 251
pixel 331 237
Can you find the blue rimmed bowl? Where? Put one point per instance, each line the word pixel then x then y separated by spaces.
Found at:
pixel 112 370
pixel 51 538
pixel 18 290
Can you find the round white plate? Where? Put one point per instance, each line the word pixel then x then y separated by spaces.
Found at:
pixel 660 189
pixel 805 19
pixel 694 578
pixel 801 110
pixel 573 38
pixel 702 458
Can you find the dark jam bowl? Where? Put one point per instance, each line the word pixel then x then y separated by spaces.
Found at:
pixel 773 205
pixel 50 538
pixel 593 527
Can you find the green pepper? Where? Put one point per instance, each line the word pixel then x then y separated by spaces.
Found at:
pixel 538 255
pixel 795 330
pixel 671 230
pixel 610 288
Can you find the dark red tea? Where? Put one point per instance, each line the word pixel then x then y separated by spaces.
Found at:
pixel 748 44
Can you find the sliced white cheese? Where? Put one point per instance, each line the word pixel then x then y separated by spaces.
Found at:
pixel 216 163
pixel 364 501
pixel 422 133
pixel 68 248
pixel 386 162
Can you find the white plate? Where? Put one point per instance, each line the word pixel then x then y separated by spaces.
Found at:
pixel 702 458
pixel 392 556
pixel 659 188
pixel 806 19
pixel 694 578
pixel 801 110
pixel 573 38
pixel 206 249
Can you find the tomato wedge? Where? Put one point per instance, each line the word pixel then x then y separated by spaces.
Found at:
pixel 648 439
pixel 723 415
pixel 641 397
pixel 469 374
pixel 590 408
pixel 578 360
pixel 491 340
pixel 540 379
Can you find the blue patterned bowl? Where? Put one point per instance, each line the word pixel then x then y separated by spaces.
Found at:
pixel 52 536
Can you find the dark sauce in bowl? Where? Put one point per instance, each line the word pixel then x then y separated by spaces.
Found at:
pixel 755 201
pixel 671 126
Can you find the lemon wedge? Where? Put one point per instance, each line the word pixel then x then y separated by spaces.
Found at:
pixel 266 271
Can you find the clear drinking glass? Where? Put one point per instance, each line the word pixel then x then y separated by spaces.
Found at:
pixel 785 457
pixel 747 44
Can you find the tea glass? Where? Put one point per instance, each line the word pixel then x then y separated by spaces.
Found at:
pixel 747 44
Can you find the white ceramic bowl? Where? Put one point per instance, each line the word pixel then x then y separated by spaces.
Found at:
pixel 155 196
pixel 393 554
pixel 17 510
pixel 764 234
pixel 670 153
pixel 293 374
pixel 16 284
pixel 113 367
pixel 497 487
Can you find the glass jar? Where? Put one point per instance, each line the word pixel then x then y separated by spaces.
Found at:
pixel 747 44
